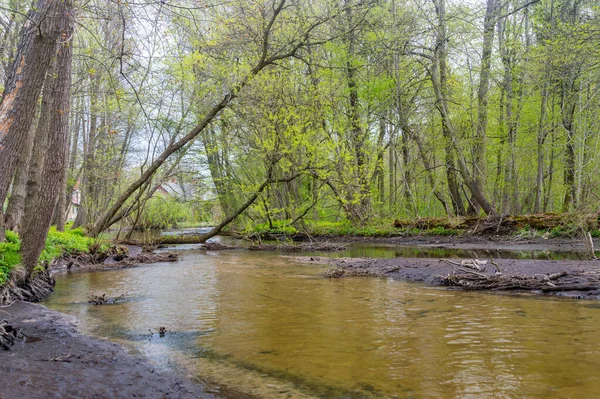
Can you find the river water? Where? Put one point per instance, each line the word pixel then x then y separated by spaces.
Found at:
pixel 266 325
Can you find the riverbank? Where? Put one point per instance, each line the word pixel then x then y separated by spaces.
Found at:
pixel 54 360
pixel 577 279
pixel 482 243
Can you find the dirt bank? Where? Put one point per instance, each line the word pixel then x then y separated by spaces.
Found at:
pixel 56 361
pixel 569 278
pixel 469 242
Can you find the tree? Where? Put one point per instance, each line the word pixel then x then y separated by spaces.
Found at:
pixel 37 46
pixel 58 83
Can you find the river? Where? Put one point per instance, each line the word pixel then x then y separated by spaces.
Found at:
pixel 266 325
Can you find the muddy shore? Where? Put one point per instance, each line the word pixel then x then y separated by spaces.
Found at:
pixel 578 279
pixel 55 360
pixel 468 242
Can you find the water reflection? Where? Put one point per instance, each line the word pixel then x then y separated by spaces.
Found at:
pixel 274 328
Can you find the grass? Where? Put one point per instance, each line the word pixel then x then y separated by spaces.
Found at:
pixel 346 228
pixel 69 242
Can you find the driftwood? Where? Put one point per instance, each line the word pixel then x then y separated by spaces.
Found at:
pixel 104 300
pixel 8 334
pixel 559 282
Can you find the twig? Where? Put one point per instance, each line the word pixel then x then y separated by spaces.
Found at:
pixel 449 261
pixel 495 264
pixel 9 305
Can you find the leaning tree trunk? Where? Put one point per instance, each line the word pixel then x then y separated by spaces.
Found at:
pixel 37 225
pixel 38 155
pixel 17 110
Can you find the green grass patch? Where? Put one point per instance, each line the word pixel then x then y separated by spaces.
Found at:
pixel 382 229
pixel 69 242
pixel 9 258
pixel 277 227
pixel 346 228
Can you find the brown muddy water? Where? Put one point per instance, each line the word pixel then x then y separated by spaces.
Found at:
pixel 265 325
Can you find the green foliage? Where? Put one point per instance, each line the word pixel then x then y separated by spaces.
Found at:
pixel 562 231
pixel 346 228
pixel 9 257
pixel 69 242
pixel 12 237
pixel 161 213
pixel 279 227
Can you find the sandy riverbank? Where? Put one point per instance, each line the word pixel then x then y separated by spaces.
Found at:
pixel 55 360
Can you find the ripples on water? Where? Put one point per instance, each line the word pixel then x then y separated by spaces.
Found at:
pixel 273 328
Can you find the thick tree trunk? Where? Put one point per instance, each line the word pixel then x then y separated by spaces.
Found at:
pixel 36 227
pixel 16 202
pixel 38 155
pixel 17 110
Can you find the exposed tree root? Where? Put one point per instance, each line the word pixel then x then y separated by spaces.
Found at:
pixel 8 334
pixel 33 289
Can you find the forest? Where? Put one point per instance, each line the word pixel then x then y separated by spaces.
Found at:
pixel 294 114
pixel 299 199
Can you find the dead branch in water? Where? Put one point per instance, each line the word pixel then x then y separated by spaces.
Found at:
pixel 557 282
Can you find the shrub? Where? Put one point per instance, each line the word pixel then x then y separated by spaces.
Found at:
pixel 279 227
pixel 161 213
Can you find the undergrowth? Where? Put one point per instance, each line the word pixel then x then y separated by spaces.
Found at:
pixel 69 242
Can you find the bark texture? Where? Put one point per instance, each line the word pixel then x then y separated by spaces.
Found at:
pixel 59 84
pixel 17 110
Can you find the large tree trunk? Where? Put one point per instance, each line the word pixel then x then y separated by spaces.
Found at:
pixel 39 152
pixel 36 227
pixel 17 110
pixel 16 202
